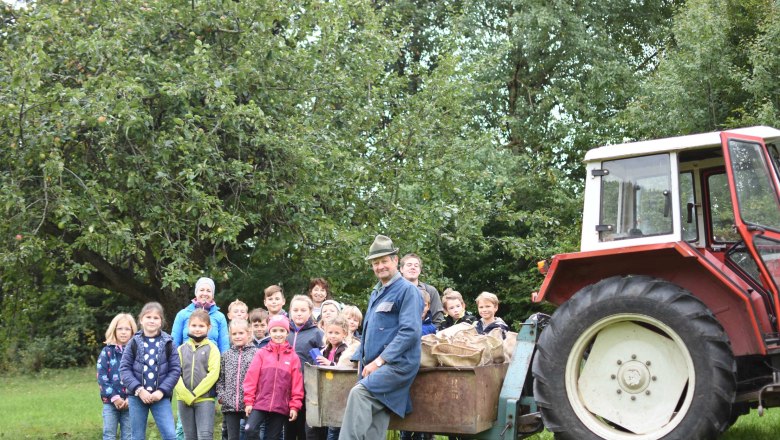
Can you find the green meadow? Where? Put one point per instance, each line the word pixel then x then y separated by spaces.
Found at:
pixel 65 404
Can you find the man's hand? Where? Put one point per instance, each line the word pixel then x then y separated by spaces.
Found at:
pixel 373 366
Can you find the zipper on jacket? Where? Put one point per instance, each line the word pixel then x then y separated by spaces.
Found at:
pixel 192 368
pixel 276 375
pixel 238 376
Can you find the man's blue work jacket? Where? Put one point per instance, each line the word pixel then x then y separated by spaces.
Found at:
pixel 391 329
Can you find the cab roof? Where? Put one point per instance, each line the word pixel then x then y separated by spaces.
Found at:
pixel 678 143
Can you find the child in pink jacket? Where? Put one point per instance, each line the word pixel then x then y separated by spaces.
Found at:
pixel 273 387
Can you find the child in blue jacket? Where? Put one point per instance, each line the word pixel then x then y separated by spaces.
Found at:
pixel 150 369
pixel 112 391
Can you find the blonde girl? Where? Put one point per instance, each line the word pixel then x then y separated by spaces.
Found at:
pixel 304 335
pixel 195 390
pixel 336 331
pixel 354 317
pixel 150 369
pixel 112 392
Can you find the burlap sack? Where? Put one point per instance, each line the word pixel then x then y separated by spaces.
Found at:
pixel 510 343
pixel 450 355
pixel 494 350
pixel 491 347
pixel 427 358
pixel 449 332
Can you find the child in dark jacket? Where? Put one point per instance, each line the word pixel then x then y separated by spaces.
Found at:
pixel 112 391
pixel 455 309
pixel 258 321
pixel 427 324
pixel 150 369
pixel 487 305
pixel 234 366
pixel 304 336
pixel 273 386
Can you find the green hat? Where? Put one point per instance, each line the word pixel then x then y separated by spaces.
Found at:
pixel 380 247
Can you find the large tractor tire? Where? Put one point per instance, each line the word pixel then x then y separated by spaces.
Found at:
pixel 634 358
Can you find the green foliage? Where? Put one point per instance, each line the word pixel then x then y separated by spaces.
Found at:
pixel 718 71
pixel 145 144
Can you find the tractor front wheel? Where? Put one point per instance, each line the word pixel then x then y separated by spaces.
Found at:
pixel 634 358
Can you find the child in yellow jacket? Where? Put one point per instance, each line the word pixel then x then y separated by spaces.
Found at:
pixel 196 390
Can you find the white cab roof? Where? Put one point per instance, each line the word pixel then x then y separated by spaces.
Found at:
pixel 678 143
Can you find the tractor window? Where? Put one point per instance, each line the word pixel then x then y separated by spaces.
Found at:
pixel 721 211
pixel 769 250
pixel 636 200
pixel 690 226
pixel 758 203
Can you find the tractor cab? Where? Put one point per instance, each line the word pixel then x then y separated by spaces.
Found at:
pixel 717 192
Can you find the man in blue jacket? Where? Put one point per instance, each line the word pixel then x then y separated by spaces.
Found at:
pixel 389 353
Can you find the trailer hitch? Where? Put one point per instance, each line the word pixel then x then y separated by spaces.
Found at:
pixel 516 395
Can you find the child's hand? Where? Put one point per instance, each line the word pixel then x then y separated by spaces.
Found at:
pixel 248 410
pixel 322 360
pixel 157 396
pixel 293 415
pixel 119 404
pixel 146 397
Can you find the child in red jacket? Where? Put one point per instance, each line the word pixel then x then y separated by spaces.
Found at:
pixel 273 387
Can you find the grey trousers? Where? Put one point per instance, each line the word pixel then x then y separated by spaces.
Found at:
pixel 197 420
pixel 365 417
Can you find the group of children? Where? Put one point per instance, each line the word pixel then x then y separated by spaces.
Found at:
pixel 258 380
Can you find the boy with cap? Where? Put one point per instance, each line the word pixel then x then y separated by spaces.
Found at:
pixel 273 387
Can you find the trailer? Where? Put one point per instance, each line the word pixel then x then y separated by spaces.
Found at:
pixel 483 402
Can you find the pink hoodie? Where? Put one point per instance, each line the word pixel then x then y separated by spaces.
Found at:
pixel 274 381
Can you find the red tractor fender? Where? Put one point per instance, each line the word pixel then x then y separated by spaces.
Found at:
pixel 740 310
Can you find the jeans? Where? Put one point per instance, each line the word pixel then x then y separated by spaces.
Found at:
pixel 161 412
pixel 197 420
pixel 113 418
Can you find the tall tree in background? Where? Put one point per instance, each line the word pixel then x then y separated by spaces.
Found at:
pixel 718 71
pixel 559 72
pixel 149 143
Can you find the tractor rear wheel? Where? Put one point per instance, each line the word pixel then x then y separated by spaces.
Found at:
pixel 634 358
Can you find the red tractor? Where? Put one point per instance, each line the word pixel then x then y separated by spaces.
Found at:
pixel 668 319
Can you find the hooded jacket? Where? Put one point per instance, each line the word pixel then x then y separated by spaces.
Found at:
pixel 449 321
pixel 235 364
pixel 274 381
pixel 111 387
pixel 218 333
pixel 498 323
pixel 199 371
pixel 132 366
pixel 305 338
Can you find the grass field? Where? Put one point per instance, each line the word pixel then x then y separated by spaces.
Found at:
pixel 65 404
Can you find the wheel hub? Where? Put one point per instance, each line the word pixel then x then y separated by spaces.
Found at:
pixel 633 377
